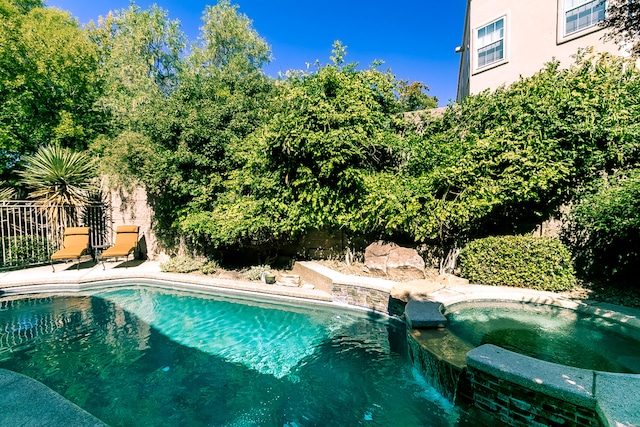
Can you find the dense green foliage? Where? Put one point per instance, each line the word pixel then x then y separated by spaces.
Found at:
pixel 231 158
pixel 521 261
pixel 500 162
pixel 604 229
pixel 304 168
pixel 180 142
pixel 48 82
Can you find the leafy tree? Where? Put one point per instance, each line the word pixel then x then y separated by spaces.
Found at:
pixel 304 168
pixel 413 96
pixel 23 6
pixel 623 23
pixel 195 133
pixel 59 179
pixel 140 59
pixel 228 41
pixel 47 82
pixel 178 144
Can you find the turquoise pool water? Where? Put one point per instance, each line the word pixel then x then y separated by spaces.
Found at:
pixel 143 356
pixel 549 333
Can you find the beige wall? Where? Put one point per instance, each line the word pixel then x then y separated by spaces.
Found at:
pixel 533 36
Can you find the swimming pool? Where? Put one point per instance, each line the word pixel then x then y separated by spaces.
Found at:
pixel 140 355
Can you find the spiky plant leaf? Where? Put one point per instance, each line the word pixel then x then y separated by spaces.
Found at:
pixel 59 178
pixel 6 193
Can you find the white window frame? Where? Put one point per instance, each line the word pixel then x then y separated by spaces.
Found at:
pixel 496 37
pixel 586 13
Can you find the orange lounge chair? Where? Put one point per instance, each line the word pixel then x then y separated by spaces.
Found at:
pixel 74 245
pixel 126 243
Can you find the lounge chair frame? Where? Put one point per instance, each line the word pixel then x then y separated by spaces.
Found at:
pixel 126 243
pixel 74 245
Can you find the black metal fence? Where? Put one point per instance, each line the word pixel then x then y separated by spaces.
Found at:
pixel 28 236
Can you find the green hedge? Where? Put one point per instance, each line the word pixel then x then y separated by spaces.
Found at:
pixel 520 261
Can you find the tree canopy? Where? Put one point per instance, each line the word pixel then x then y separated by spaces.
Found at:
pixel 48 82
pixel 140 60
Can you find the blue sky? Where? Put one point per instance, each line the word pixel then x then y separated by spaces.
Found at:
pixel 415 38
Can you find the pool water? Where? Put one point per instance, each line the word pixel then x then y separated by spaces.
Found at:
pixel 549 333
pixel 144 356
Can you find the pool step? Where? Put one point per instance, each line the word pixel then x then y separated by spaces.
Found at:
pixel 424 314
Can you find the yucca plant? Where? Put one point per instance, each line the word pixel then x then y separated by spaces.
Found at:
pixel 6 192
pixel 60 179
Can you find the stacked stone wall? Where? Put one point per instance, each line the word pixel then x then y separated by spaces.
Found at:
pixel 360 296
pixel 518 406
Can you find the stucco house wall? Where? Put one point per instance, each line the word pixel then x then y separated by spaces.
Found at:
pixel 534 33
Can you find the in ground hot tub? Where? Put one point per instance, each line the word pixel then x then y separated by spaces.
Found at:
pixel 525 363
pixel 549 333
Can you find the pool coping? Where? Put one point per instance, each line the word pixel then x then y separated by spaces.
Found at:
pixel 450 296
pixel 35 281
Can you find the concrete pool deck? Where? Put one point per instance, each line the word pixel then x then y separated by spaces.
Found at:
pixel 68 278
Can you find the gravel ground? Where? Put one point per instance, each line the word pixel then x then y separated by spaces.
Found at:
pixel 629 297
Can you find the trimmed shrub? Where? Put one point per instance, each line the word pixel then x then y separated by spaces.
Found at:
pixel 540 263
pixel 181 264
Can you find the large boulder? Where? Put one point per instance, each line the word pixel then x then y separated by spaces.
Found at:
pixel 389 259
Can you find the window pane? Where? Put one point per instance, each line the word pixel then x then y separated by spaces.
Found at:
pixel 599 11
pixel 572 24
pixel 582 14
pixel 490 43
pixel 492 53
